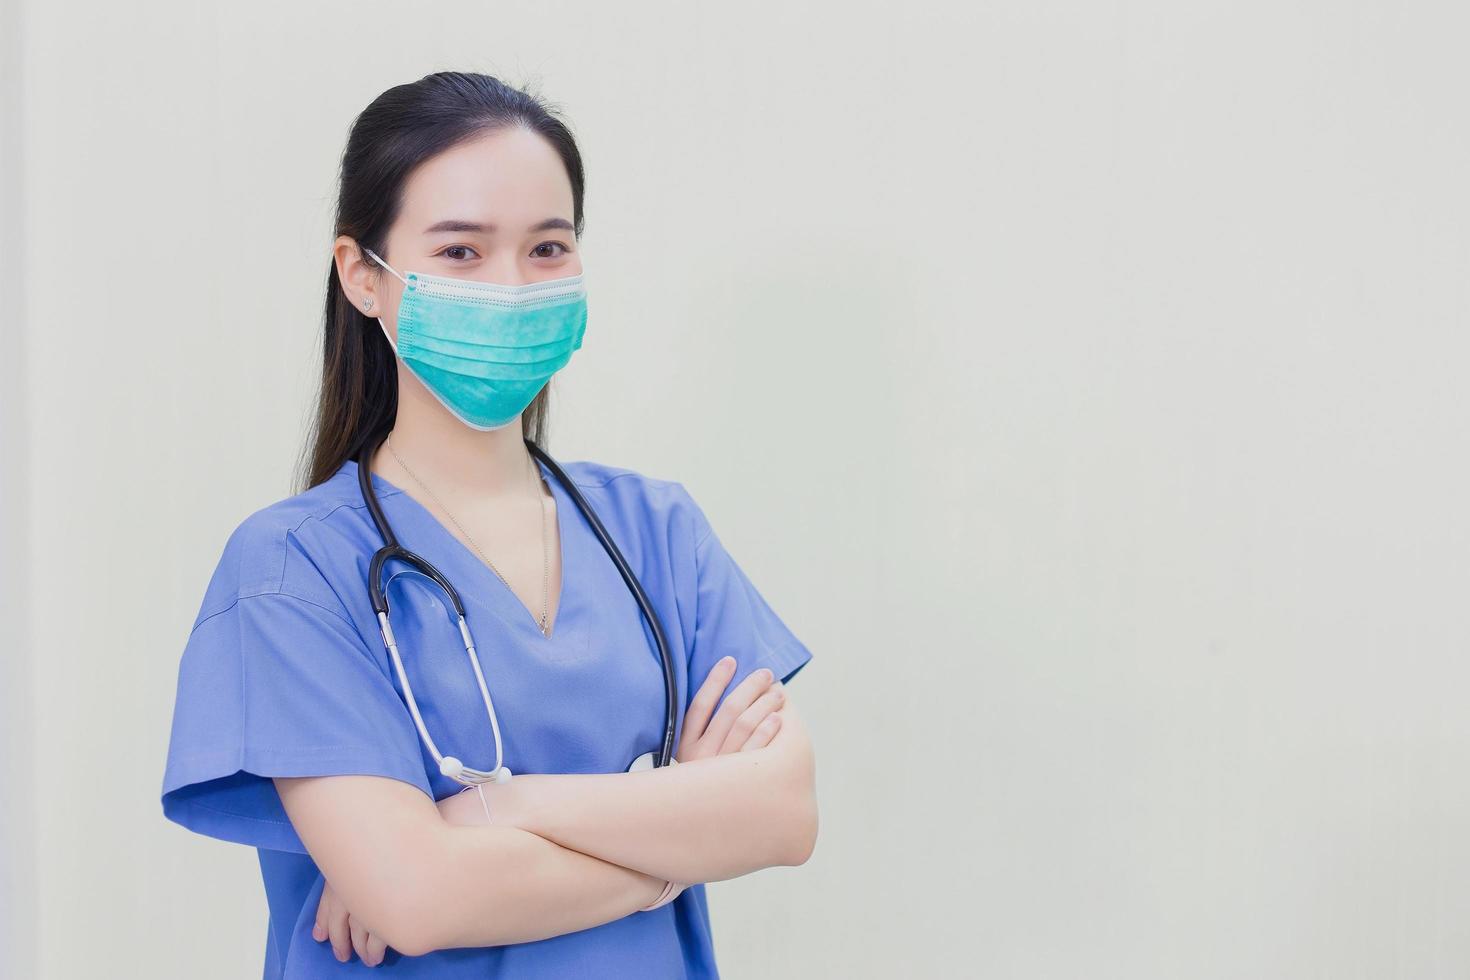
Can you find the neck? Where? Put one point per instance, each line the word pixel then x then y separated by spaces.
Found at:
pixel 450 456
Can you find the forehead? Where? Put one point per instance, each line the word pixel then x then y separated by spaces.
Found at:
pixel 512 178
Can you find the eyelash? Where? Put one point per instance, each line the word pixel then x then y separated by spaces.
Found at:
pixel 564 250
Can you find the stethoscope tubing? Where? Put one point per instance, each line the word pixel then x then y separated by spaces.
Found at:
pixel 392 550
pixel 671 700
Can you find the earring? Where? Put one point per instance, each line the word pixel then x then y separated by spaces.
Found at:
pixel 367 302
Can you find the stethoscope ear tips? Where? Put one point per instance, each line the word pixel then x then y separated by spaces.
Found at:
pixel 502 775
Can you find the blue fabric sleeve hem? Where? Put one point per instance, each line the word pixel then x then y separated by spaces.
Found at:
pixel 218 777
pixel 786 661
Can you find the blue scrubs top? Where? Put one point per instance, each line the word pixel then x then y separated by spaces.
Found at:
pixel 285 674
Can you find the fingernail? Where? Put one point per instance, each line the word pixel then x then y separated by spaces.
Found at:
pixel 768 675
pixel 727 662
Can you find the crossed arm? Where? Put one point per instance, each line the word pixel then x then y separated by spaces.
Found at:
pixel 563 852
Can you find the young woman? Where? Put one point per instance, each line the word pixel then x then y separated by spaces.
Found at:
pixel 387 823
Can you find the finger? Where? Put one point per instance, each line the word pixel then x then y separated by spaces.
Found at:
pixel 763 733
pixel 359 937
pixel 376 948
pixel 736 702
pixel 751 717
pixel 323 907
pixel 703 703
pixel 341 934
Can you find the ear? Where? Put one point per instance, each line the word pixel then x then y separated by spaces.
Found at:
pixel 360 277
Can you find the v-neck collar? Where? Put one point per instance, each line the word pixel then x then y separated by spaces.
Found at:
pixel 497 587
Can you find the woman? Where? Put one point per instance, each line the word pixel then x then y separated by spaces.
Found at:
pixel 291 729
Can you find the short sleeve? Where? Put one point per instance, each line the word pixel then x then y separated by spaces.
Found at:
pixel 733 618
pixel 275 684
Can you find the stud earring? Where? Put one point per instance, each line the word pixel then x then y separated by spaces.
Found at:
pixel 367 302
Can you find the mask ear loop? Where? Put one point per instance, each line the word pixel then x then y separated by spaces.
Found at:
pixel 381 324
pixel 384 264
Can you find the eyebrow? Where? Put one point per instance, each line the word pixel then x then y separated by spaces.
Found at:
pixel 455 224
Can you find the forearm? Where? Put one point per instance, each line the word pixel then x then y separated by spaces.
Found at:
pixel 705 820
pixel 493 885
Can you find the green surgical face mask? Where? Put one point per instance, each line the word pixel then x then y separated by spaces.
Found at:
pixel 486 350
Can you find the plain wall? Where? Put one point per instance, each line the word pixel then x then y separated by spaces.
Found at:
pixel 1084 383
pixel 18 727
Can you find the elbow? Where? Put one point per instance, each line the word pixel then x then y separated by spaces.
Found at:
pixel 409 922
pixel 409 942
pixel 392 916
pixel 415 922
pixel 799 816
pixel 801 837
pixel 431 910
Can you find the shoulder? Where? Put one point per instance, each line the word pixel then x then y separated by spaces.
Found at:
pixel 596 475
pixel 649 502
pixel 279 548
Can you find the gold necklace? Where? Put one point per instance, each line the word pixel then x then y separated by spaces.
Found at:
pixel 545 548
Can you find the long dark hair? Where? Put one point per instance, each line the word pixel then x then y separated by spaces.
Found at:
pixel 406 125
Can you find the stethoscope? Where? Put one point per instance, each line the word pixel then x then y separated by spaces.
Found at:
pixel 448 764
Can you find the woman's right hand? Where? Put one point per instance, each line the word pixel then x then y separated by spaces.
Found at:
pixel 748 719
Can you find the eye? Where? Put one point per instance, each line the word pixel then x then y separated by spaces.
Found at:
pixel 452 248
pixel 543 255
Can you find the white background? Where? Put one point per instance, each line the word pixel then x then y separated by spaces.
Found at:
pixel 1084 383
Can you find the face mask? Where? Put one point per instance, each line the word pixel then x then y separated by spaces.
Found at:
pixel 486 350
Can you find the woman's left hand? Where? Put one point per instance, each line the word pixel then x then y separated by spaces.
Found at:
pixel 334 922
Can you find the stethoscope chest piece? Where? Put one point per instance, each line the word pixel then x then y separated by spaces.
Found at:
pixel 645 761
